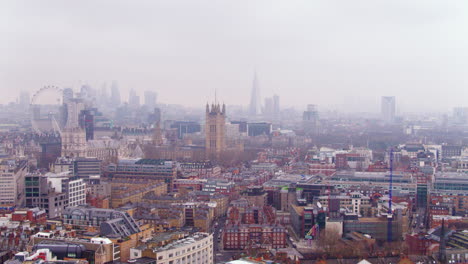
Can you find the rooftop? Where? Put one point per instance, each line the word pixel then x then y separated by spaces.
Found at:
pixel 151 161
pixel 182 242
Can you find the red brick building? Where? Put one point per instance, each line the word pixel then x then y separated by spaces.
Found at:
pixel 322 169
pixel 98 201
pixel 255 226
pixel 378 166
pixel 418 244
pixel 242 236
pixel 34 215
pixel 188 184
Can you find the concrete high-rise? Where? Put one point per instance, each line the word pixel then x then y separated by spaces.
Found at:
pixel 150 99
pixel 24 100
pixel 276 105
pixel 268 108
pixel 271 107
pixel 255 105
pixel 133 99
pixel 67 95
pixel 388 108
pixel 115 94
pixel 310 120
pixel 215 130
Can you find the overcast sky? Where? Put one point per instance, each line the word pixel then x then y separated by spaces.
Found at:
pixel 336 54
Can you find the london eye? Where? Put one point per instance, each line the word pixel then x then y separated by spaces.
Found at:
pixel 47 111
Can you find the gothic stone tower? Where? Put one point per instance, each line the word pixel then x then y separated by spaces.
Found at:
pixel 215 130
pixel 73 136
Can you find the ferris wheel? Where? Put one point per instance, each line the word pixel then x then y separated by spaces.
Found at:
pixel 48 98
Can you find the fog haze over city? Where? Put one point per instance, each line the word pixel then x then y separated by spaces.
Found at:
pixel 342 55
pixel 233 132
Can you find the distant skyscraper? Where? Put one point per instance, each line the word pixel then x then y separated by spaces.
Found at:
pixel 460 115
pixel 150 99
pixel 115 94
pixel 103 96
pixel 268 107
pixel 215 130
pixel 85 91
pixel 276 105
pixel 67 95
pixel 271 107
pixel 255 105
pixel 388 108
pixel 310 120
pixel 133 99
pixel 24 100
pixel 74 108
pixel 87 122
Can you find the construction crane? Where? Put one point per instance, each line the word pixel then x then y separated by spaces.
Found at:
pixel 390 189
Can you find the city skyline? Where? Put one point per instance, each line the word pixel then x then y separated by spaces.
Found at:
pixel 228 132
pixel 397 48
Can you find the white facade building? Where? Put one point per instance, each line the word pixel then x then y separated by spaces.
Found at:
pixel 65 183
pixel 195 249
pixel 12 182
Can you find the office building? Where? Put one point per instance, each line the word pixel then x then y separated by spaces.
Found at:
pixel 172 248
pixel 302 219
pixel 255 105
pixel 83 168
pixel 460 115
pixel 12 174
pixel 86 120
pixel 143 169
pixel 258 129
pixel 268 107
pixel 276 105
pixel 67 95
pixel 73 187
pixel 310 119
pixel 150 99
pixel 40 194
pixel 94 250
pixel 115 94
pixel 24 100
pixel 186 127
pixel 155 117
pixel 133 99
pixel 388 109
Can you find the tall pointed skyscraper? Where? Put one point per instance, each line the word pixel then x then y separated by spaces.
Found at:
pixel 255 106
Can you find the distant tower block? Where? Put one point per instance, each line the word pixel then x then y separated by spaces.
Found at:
pixel 215 130
pixel 255 105
pixel 157 135
pixel 388 108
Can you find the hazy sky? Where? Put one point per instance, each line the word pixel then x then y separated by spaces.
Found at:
pixel 342 54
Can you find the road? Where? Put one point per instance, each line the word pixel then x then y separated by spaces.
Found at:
pixel 418 223
pixel 219 254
